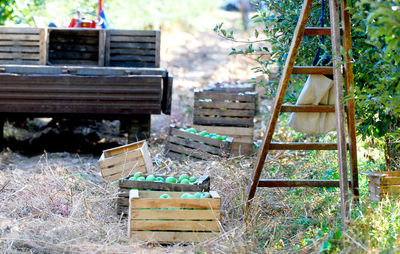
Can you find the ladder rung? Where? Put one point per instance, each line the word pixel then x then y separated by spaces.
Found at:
pixel 307 108
pixel 302 146
pixel 319 31
pixel 270 183
pixel 313 70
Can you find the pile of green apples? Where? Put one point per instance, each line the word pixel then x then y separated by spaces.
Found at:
pixel 204 134
pixel 188 195
pixel 182 179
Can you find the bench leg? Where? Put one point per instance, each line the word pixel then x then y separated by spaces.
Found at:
pixel 137 127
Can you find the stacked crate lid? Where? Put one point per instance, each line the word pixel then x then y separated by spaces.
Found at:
pixel 183 143
pixel 227 112
pixel 125 160
pixel 24 46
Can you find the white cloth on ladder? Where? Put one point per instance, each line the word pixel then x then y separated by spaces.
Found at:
pixel 318 90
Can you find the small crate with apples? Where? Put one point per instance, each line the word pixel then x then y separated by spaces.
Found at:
pixel 140 181
pixel 183 143
pixel 173 217
pixel 125 160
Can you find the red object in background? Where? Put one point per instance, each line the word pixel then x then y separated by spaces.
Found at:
pixel 82 23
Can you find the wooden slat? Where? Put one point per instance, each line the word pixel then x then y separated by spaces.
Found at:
pixel 43 47
pixel 318 31
pixel 80 97
pixel 72 62
pixel 158 48
pixel 195 145
pixel 22 37
pixel 131 45
pixel 132 64
pixel 137 52
pixel 173 237
pixel 308 108
pixel 102 49
pixel 224 121
pixel 20 43
pixel 25 56
pixel 302 146
pixel 137 225
pixel 200 104
pixel 24 62
pixel 132 58
pixel 225 96
pixel 20 49
pixel 75 89
pixel 271 183
pixel 122 158
pixel 116 38
pixel 188 151
pixel 125 148
pixel 119 32
pixel 227 131
pixel 17 30
pixel 313 70
pixel 222 112
pixel 207 203
pixel 176 132
pixel 175 214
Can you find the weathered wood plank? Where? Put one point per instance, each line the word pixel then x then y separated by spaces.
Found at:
pixel 224 121
pixel 119 32
pixel 16 56
pixel 172 237
pixel 195 145
pixel 208 203
pixel 21 37
pixel 175 214
pixel 223 112
pixel 201 104
pixel 130 45
pixel 20 49
pixel 137 225
pixel 126 38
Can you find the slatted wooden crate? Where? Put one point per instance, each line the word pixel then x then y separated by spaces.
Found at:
pixel 22 45
pixel 382 184
pixel 125 160
pixel 181 144
pixel 224 109
pixel 173 220
pixel 231 87
pixel 125 185
pixel 242 137
pixel 76 46
pixel 131 48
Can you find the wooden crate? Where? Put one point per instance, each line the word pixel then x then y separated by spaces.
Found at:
pixel 224 109
pixel 232 87
pixel 242 137
pixel 133 48
pixel 202 184
pixel 125 160
pixel 181 144
pixel 81 46
pixel 173 220
pixel 22 45
pixel 381 184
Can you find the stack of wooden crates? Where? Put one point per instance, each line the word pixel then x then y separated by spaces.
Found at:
pixel 227 111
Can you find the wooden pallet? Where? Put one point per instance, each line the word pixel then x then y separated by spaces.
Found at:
pixel 22 45
pixel 181 144
pixel 242 137
pixel 224 109
pixel 130 48
pixel 173 220
pixel 76 46
pixel 202 184
pixel 125 160
pixel 383 184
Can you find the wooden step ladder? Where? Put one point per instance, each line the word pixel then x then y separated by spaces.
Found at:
pixel 339 108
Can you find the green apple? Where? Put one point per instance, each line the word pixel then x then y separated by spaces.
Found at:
pixel 170 179
pixel 203 133
pixel 183 176
pixel 185 181
pixel 138 174
pixel 165 196
pixel 186 195
pixel 191 130
pixel 159 179
pixel 141 178
pixel 197 195
pixel 192 179
pixel 132 178
pixel 150 178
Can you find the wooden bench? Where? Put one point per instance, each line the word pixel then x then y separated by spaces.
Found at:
pixel 92 73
